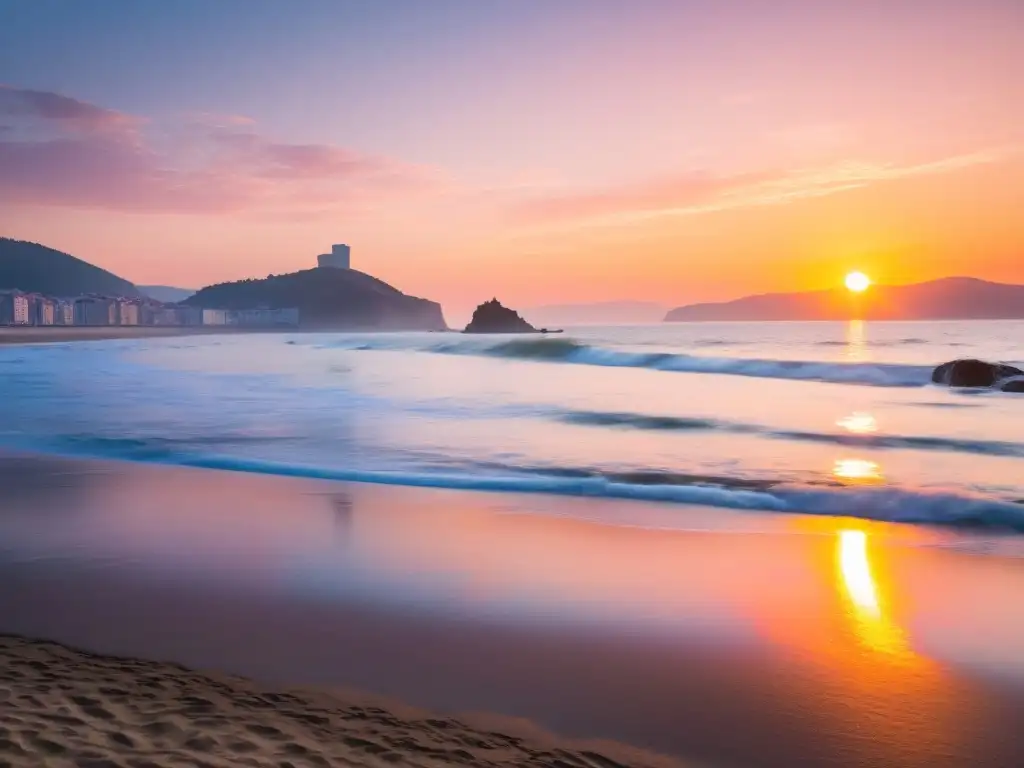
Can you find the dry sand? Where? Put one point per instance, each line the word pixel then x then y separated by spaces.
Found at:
pixel 58 333
pixel 60 707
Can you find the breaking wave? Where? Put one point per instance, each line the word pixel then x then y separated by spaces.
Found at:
pixel 684 424
pixel 569 351
pixel 881 343
pixel 832 499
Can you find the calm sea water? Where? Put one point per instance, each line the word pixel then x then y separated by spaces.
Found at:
pixel 823 418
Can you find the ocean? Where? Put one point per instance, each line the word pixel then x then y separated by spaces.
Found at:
pixel 814 418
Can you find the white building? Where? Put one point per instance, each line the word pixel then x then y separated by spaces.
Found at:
pixel 15 309
pixel 338 258
pixel 128 313
pixel 215 317
pixel 22 310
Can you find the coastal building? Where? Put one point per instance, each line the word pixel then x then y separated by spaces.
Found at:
pixel 189 315
pixel 215 317
pixel 43 310
pixel 65 313
pixel 267 318
pixel 33 308
pixel 128 313
pixel 18 308
pixel 95 310
pixel 165 315
pixel 338 258
pixel 149 311
pixel 14 309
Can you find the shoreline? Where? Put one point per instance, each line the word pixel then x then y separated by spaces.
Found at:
pixel 65 704
pixel 827 648
pixel 53 334
pixel 14 335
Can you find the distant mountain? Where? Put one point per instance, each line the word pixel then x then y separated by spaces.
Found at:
pixel 34 268
pixel 952 298
pixel 605 312
pixel 166 293
pixel 328 299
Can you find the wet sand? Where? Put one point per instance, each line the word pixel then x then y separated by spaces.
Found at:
pixel 722 638
pixel 65 707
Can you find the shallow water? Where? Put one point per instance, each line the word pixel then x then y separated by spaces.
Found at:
pixel 822 418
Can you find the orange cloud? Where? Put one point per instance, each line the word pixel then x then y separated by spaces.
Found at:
pixel 683 190
pixel 701 192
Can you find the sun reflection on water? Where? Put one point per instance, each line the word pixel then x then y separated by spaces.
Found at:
pixel 857 342
pixel 859 423
pixel 858 583
pixel 861 471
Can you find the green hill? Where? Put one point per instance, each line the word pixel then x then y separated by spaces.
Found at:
pixel 328 299
pixel 34 268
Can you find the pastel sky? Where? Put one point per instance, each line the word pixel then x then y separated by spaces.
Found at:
pixel 539 150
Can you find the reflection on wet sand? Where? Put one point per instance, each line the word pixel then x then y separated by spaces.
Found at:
pixel 342 509
pixel 857 583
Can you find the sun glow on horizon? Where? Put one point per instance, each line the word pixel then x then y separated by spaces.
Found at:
pixel 857 282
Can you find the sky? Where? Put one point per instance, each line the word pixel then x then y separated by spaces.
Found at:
pixel 541 151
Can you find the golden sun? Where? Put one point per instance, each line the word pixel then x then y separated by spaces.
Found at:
pixel 857 282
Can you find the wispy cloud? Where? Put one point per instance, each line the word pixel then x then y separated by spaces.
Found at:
pixel 66 152
pixel 657 194
pixel 69 113
pixel 219 119
pixel 702 192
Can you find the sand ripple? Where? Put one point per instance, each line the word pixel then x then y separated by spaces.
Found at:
pixel 60 707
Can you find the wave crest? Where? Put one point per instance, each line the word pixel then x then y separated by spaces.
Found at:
pixel 640 421
pixel 879 503
pixel 569 351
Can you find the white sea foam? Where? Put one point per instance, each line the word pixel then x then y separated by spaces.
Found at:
pixel 884 503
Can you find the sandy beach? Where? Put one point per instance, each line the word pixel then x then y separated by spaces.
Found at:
pixel 56 333
pixel 713 638
pixel 65 707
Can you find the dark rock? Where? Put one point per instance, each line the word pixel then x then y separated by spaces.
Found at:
pixel 973 373
pixel 492 317
pixel 1015 384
